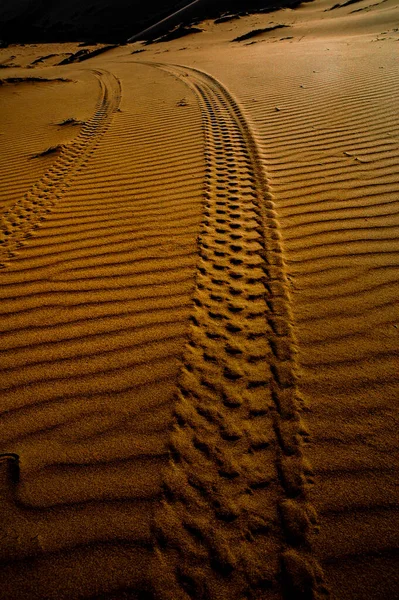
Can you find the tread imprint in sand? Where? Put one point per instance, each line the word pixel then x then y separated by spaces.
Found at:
pixel 94 316
pixel 332 156
pixel 237 471
pixel 20 220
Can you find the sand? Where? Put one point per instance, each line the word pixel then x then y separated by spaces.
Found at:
pixel 199 315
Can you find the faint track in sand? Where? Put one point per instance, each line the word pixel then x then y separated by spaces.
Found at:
pixel 19 221
pixel 94 315
pixel 236 517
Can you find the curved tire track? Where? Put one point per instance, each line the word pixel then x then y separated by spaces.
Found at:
pixel 235 520
pixel 94 317
pixel 19 221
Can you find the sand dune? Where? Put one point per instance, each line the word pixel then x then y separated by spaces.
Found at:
pixel 94 313
pixel 334 177
pixel 199 350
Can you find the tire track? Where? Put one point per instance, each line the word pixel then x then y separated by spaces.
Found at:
pixel 332 156
pixel 19 221
pixel 236 521
pixel 94 316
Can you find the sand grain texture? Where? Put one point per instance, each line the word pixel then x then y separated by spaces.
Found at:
pixel 199 351
pixel 94 313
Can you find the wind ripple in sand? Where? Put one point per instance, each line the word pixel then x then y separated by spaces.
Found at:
pixel 331 152
pixel 94 315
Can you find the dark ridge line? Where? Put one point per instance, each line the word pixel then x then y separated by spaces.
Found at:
pixel 350 294
pixel 347 3
pixel 77 305
pixel 68 547
pixel 116 428
pixel 340 219
pixel 173 158
pixel 162 144
pixel 85 54
pixel 88 259
pixel 84 291
pixel 382 179
pixel 348 336
pixel 112 317
pixel 73 305
pixel 364 469
pixel 96 239
pixel 214 99
pixel 145 223
pixel 150 216
pixel 333 268
pixel 360 313
pixel 138 495
pixel 390 551
pixel 335 144
pixel 366 7
pixel 351 362
pixel 366 269
pixel 63 280
pixel 16 80
pixel 94 250
pixel 139 190
pixel 142 259
pixel 51 150
pixel 85 395
pixel 43 555
pixel 314 188
pixel 148 195
pixel 352 137
pixel 142 174
pixel 343 230
pixel 302 172
pixel 345 242
pixel 98 354
pixel 64 466
pixel 351 134
pixel 104 233
pixel 350 440
pixel 83 505
pixel 139 201
pixel 82 377
pixel 258 32
pixel 94 355
pixel 361 385
pixel 341 256
pixel 146 410
pixel 44 266
pixel 160 271
pixel 90 336
pixel 177 33
pixel 119 427
pixel 363 197
pixel 79 416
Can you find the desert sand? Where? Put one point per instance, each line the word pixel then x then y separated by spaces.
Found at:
pixel 199 312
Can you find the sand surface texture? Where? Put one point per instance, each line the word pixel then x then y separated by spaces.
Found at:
pixel 199 313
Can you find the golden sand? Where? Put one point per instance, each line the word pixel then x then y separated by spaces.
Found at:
pixel 199 313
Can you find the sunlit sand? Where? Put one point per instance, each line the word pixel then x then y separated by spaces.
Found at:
pixel 199 312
